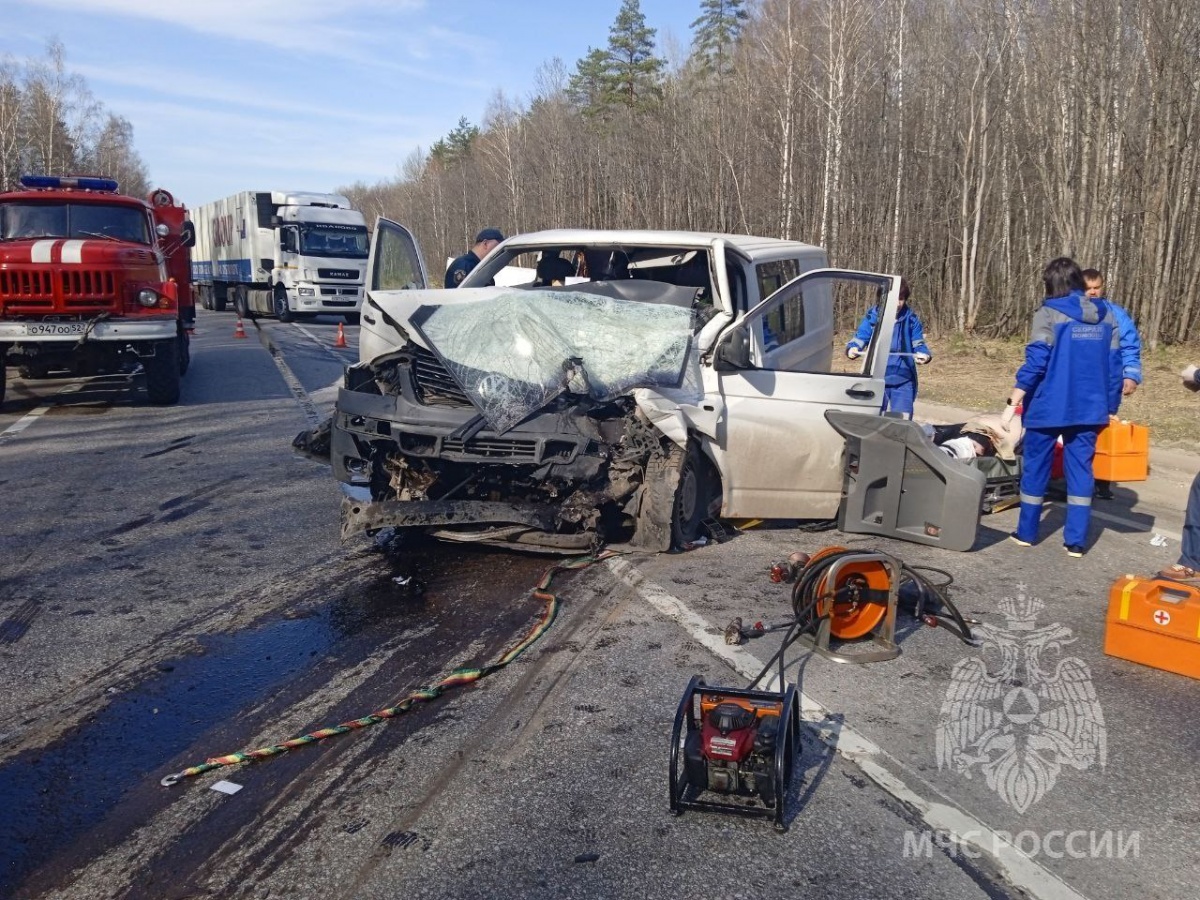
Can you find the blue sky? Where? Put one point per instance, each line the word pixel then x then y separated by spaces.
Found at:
pixel 229 95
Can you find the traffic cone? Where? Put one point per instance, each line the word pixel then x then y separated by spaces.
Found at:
pixel 341 338
pixel 239 332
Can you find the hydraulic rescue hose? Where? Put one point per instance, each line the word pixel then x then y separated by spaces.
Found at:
pixel 926 606
pixel 457 678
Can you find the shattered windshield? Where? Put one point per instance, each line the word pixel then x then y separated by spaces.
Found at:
pixel 515 353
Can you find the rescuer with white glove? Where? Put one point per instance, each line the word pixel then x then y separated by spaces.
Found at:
pixel 908 351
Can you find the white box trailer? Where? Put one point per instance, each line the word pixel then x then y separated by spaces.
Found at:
pixel 287 254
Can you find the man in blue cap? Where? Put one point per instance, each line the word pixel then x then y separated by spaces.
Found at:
pixel 485 241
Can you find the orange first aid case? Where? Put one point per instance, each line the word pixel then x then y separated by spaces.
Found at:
pixel 1122 452
pixel 1154 622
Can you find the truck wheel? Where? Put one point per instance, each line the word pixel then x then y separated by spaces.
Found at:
pixel 3 374
pixel 692 497
pixel 282 313
pixel 240 303
pixel 162 373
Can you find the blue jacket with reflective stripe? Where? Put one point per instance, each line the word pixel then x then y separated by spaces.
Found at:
pixel 1131 343
pixel 908 336
pixel 1072 371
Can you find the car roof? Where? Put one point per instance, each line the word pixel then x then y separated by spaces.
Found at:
pixel 651 238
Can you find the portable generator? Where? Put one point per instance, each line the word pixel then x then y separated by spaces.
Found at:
pixel 734 750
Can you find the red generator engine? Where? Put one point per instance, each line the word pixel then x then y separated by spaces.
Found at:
pixel 734 750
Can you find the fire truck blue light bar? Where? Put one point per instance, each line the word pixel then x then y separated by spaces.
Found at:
pixel 83 183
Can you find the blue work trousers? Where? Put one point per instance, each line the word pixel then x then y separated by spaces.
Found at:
pixel 1079 447
pixel 899 398
pixel 1190 551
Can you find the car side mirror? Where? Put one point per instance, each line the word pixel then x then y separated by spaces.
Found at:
pixel 734 350
pixel 187 234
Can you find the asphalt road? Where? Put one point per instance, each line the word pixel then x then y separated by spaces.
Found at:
pixel 174 589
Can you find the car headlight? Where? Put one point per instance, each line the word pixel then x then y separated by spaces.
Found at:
pixel 147 297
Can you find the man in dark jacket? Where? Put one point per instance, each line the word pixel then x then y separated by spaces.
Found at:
pixel 908 350
pixel 485 241
pixel 1072 370
pixel 1187 569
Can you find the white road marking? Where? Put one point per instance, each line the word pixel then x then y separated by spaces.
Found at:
pixel 36 413
pixel 1136 526
pixel 941 815
pixel 24 422
pixel 293 383
pixel 328 348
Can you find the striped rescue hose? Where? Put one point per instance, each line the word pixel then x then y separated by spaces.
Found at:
pixel 457 678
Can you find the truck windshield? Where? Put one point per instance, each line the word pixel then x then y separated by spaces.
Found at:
pixel 347 241
pixel 73 220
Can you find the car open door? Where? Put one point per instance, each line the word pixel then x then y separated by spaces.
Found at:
pixel 394 264
pixel 776 372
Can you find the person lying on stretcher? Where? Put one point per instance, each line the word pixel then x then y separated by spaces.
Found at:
pixel 981 435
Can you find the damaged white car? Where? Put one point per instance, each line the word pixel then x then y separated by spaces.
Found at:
pixel 639 386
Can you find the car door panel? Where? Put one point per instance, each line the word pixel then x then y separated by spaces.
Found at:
pixel 778 456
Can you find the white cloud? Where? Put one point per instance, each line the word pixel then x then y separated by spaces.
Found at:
pixel 368 32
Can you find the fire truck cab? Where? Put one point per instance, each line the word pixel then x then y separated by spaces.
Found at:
pixel 94 282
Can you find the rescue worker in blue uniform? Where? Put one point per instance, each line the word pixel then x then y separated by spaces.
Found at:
pixel 908 350
pixel 1131 355
pixel 485 241
pixel 1069 382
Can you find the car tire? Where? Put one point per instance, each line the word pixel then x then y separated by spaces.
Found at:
pixel 693 495
pixel 282 313
pixel 162 373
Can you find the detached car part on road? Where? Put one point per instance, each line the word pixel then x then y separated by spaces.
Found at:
pixel 674 377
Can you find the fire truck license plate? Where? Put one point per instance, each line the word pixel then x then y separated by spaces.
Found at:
pixel 38 329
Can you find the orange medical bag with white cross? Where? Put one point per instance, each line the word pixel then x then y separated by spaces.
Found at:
pixel 1155 622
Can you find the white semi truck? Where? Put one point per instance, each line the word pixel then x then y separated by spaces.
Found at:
pixel 287 254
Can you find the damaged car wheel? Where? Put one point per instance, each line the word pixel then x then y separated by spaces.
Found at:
pixel 693 497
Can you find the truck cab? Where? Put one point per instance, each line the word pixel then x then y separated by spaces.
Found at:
pixel 288 254
pixel 86 282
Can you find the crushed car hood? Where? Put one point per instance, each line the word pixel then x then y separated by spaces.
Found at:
pixel 514 352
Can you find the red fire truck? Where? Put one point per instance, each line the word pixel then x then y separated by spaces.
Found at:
pixel 93 281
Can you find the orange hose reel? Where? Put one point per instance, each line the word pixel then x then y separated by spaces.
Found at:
pixel 852 615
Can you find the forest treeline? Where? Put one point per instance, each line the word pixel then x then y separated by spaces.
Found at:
pixel 962 143
pixel 51 124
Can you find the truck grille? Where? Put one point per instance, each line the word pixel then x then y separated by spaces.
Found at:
pixel 70 290
pixel 433 384
pixel 24 285
pixel 87 287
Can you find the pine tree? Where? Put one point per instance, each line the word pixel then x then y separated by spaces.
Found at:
pixel 716 32
pixel 635 73
pixel 588 87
